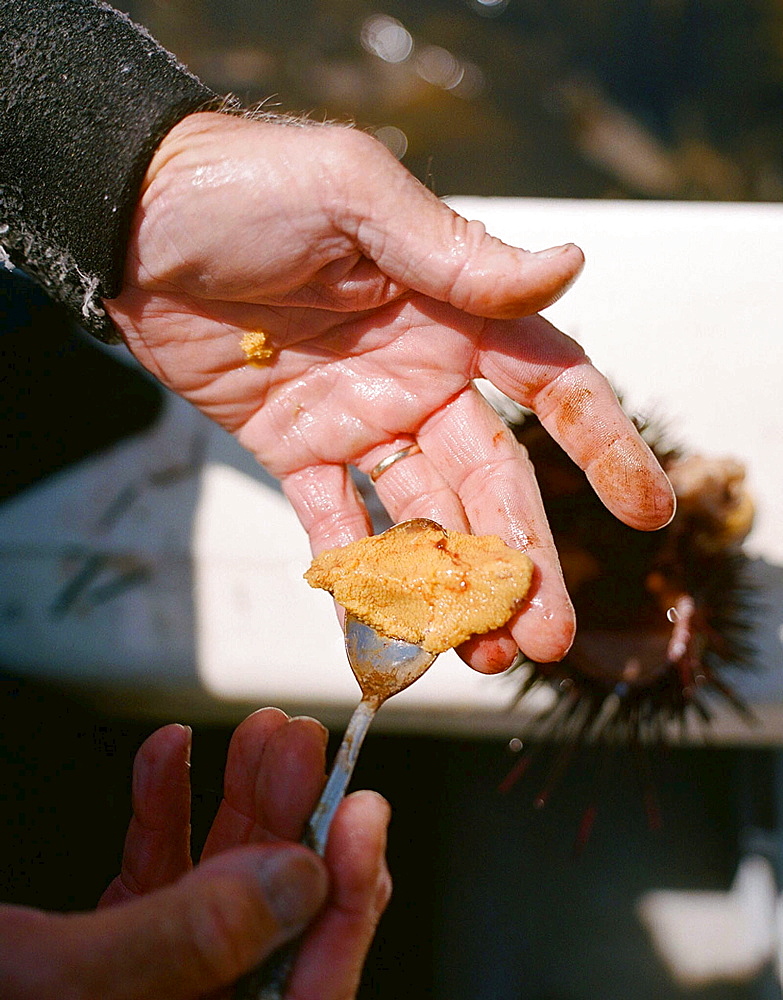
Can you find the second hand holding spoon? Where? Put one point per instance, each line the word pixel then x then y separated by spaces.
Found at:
pixel 383 667
pixel 447 587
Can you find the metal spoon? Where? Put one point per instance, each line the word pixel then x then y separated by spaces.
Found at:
pixel 383 667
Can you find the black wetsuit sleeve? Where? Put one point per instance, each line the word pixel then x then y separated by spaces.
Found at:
pixel 85 97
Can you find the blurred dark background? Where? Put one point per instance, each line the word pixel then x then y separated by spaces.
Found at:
pixel 655 99
pixel 551 98
pixel 492 900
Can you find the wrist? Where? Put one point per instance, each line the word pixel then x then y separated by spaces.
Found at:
pixel 187 132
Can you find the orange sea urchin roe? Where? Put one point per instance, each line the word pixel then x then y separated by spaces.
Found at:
pixel 423 584
pixel 257 350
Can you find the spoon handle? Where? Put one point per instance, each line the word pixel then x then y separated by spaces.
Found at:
pixel 317 829
pixel 268 981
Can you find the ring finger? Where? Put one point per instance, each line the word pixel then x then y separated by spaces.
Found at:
pixel 408 485
pixel 411 486
pixel 491 473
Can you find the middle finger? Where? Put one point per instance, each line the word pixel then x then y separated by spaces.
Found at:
pixel 490 472
pixel 413 487
pixel 274 774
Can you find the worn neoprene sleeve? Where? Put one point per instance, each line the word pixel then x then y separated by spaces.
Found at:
pixel 85 97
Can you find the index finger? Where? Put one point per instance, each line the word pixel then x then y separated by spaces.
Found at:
pixel 274 774
pixel 541 368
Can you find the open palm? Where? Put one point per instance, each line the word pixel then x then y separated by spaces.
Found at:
pixel 380 306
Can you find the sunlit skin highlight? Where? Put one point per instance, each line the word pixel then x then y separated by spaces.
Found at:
pixel 383 305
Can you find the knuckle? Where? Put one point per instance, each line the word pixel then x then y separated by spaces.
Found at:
pixel 219 933
pixel 383 893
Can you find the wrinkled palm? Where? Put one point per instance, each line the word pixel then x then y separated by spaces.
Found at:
pixel 379 306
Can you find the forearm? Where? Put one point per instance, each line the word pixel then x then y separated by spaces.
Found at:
pixel 85 97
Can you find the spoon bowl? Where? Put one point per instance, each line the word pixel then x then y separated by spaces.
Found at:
pixel 382 666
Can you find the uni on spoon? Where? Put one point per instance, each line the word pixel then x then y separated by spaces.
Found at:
pixel 410 593
pixel 421 590
pixel 424 584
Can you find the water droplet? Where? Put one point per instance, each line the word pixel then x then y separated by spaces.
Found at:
pixel 673 615
pixel 515 744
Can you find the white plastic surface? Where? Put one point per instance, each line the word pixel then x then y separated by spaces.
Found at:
pixel 680 305
pixel 709 937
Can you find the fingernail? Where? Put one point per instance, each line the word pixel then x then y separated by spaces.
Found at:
pixel 294 883
pixel 319 727
pixel 554 251
pixel 189 744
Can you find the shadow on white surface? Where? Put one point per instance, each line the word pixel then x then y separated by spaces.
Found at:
pixel 170 567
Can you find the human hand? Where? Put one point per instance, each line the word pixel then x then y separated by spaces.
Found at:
pixel 380 306
pixel 166 932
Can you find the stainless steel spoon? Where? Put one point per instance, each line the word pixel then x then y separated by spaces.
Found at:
pixel 383 667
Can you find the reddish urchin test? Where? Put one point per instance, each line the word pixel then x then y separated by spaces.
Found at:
pixel 423 584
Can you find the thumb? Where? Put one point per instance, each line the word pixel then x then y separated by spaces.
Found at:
pixel 418 241
pixel 179 943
